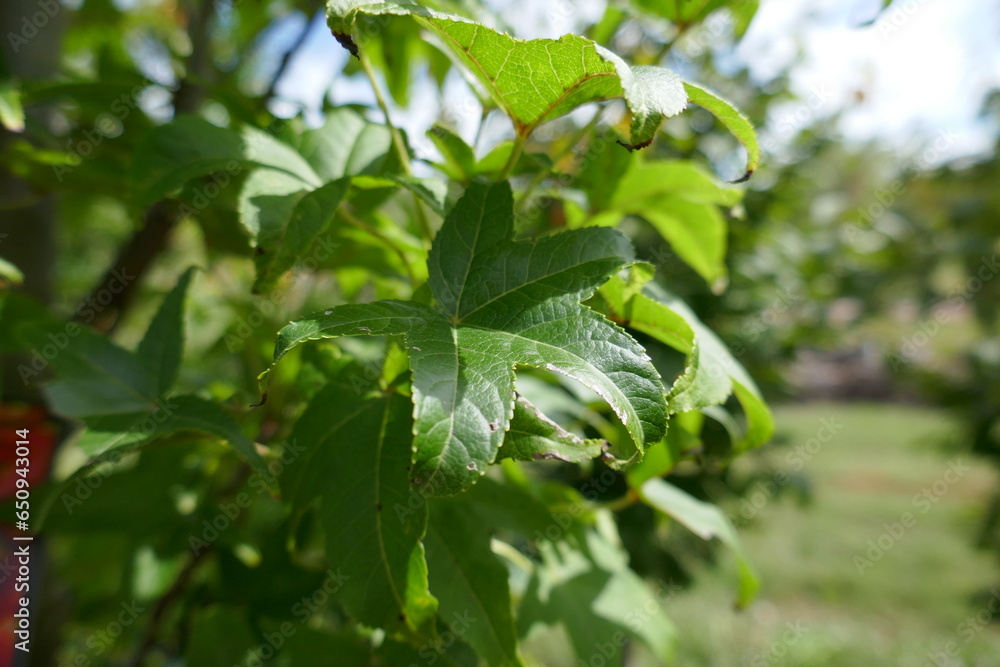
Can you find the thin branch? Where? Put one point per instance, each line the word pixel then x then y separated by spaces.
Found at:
pixel 542 174
pixel 114 292
pixel 397 137
pixel 287 59
pixel 163 605
pixel 389 243
pixel 515 155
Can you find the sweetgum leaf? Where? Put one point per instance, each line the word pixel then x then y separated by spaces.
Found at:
pixel 533 436
pixel 500 303
pixel 355 455
pixel 540 79
pixel 711 375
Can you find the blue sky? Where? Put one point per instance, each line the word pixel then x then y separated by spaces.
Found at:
pixel 923 68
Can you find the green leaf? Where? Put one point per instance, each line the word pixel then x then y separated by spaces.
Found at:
pixel 10 275
pixel 533 436
pixel 678 198
pixel 501 303
pixel 11 111
pixel 679 178
pixel 284 218
pixel 459 159
pixel 587 587
pixel 203 648
pixel 189 147
pixel 173 415
pixel 470 582
pixel 356 455
pixel 704 520
pixel 540 79
pixel 732 119
pixel 96 377
pixel 711 375
pixel 162 346
pixel 696 232
pixel 345 145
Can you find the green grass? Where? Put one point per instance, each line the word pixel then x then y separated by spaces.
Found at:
pixel 909 603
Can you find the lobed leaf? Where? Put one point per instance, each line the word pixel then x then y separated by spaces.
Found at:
pixel 533 436
pixel 711 375
pixel 355 453
pixel 535 80
pixel 500 303
pixel 470 582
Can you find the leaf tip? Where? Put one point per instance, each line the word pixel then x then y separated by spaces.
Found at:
pixel 745 177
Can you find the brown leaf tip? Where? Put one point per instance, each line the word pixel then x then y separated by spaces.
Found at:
pixel 745 177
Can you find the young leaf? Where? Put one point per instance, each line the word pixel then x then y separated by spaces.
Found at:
pixel 678 198
pixel 712 374
pixel 356 451
pixel 734 121
pixel 162 346
pixel 501 303
pixel 704 520
pixel 470 582
pixel 533 436
pixel 696 232
pixel 540 79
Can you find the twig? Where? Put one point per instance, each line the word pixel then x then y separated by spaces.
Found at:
pixel 397 137
pixel 570 145
pixel 515 155
pixel 138 253
pixel 163 605
pixel 287 59
pixel 389 243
